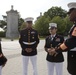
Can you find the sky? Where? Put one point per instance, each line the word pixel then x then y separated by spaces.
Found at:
pixel 31 8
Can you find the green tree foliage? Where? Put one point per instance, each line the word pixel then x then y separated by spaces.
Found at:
pixel 23 26
pixel 55 11
pixel 20 22
pixel 41 25
pixel 54 14
pixel 2 23
pixel 68 24
pixel 61 25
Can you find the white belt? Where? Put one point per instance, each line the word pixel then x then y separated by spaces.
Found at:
pixel 31 43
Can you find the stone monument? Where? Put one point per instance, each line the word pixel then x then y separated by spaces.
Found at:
pixel 12 24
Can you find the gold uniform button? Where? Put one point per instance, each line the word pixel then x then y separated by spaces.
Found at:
pixel 28 38
pixel 28 34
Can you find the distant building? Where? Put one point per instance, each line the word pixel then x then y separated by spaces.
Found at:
pixel 39 16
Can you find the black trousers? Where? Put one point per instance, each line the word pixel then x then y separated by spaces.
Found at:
pixel 71 62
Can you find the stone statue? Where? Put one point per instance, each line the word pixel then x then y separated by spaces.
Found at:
pixel 12 24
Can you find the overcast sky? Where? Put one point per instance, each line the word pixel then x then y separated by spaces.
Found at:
pixel 32 8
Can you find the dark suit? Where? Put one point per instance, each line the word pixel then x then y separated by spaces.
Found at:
pixel 71 62
pixel 54 61
pixel 69 44
pixel 57 40
pixel 71 55
pixel 29 39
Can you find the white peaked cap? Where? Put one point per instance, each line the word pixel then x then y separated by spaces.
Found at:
pixel 29 19
pixel 52 25
pixel 72 5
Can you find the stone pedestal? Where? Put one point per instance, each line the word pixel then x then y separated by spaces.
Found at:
pixel 12 24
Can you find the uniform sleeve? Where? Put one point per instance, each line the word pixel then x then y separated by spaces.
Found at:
pixel 62 39
pixel 68 44
pixel 37 39
pixel 20 41
pixel 45 43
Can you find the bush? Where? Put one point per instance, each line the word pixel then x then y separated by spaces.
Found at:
pixel 2 34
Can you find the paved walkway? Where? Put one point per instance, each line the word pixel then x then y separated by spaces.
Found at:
pixel 12 51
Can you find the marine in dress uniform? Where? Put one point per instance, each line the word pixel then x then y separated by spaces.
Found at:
pixel 70 43
pixel 29 41
pixel 51 42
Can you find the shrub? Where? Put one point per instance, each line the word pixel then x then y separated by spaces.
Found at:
pixel 2 34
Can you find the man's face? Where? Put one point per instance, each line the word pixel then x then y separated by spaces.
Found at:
pixel 29 24
pixel 72 15
pixel 53 30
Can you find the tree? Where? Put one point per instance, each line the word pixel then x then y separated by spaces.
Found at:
pixel 61 25
pixel 68 24
pixel 20 22
pixel 2 23
pixel 54 14
pixel 55 11
pixel 41 25
pixel 23 26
